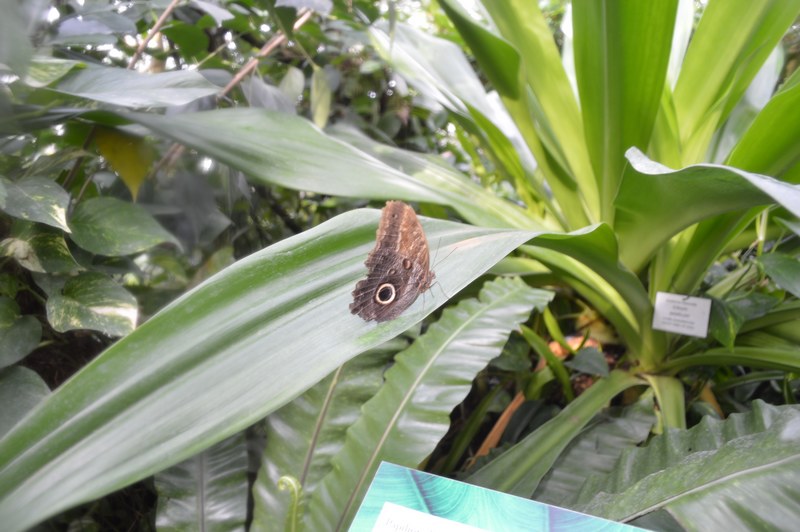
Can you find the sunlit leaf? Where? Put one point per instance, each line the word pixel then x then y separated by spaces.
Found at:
pixel 220 14
pixel 321 6
pixel 37 199
pixel 93 301
pixel 289 151
pixel 45 70
pixel 15 46
pixel 655 202
pixel 217 360
pixel 39 248
pixel 104 84
pixel 320 97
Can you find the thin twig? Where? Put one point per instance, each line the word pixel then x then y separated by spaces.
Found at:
pixel 277 40
pixel 150 34
pixel 176 149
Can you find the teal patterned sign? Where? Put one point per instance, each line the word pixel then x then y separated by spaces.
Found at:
pixel 402 499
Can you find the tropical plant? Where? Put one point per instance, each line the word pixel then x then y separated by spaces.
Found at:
pixel 599 163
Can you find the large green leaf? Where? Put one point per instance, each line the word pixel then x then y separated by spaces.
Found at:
pixel 501 59
pixel 215 361
pixel 784 270
pixel 595 451
pixel 289 151
pixel 720 64
pixel 786 358
pixel 588 260
pixel 520 469
pixel 738 474
pixel 546 97
pixel 478 206
pixel 44 70
pixel 438 69
pixel 206 492
pixel 103 84
pixel 654 202
pixel 304 435
pixel 404 421
pixel 621 54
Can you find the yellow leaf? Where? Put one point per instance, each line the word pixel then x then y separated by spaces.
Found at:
pixel 129 156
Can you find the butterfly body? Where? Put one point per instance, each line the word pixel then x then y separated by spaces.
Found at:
pixel 398 267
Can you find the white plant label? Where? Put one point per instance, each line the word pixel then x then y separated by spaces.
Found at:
pixel 396 518
pixel 677 313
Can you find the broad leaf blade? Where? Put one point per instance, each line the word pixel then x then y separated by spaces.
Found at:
pixel 39 248
pixel 703 475
pixel 546 97
pixel 767 148
pixel 720 64
pixel 19 335
pixel 141 90
pixel 215 361
pixel 472 201
pixel 655 202
pixel 289 151
pixel 410 413
pixel 621 55
pixel 784 270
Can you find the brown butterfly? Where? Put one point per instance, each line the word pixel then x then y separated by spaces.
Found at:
pixel 398 266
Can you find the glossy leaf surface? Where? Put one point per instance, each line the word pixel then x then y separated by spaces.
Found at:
pixel 218 359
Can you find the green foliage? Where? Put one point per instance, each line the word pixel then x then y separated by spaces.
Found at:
pixel 697 475
pixel 617 149
pixel 207 491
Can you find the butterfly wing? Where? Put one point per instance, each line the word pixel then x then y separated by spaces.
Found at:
pixel 398 266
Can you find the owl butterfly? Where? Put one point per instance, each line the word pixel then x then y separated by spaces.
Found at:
pixel 398 266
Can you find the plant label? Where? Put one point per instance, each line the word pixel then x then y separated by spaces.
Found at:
pixel 677 313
